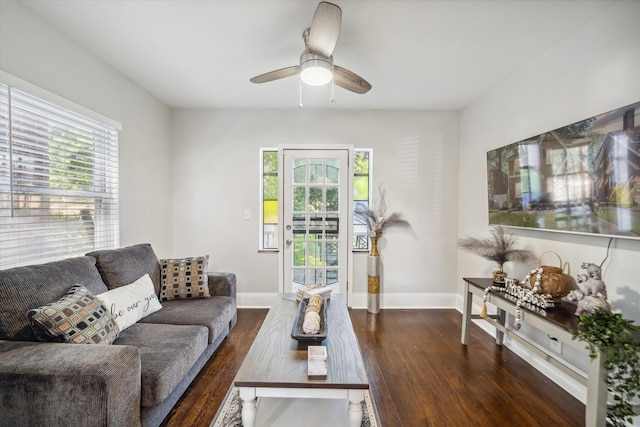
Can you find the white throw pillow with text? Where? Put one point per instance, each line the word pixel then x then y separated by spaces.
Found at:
pixel 130 303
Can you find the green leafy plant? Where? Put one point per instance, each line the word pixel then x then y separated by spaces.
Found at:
pixel 618 340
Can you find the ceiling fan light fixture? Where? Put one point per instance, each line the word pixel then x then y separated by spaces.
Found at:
pixel 316 62
pixel 316 71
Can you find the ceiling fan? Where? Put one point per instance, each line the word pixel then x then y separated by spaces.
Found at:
pixel 316 62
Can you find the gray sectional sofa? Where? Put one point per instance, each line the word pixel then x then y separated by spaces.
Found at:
pixel 134 381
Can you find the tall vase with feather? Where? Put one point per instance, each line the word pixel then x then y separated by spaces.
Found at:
pixel 377 222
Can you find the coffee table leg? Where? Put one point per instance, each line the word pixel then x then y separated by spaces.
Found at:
pixel 355 407
pixel 248 397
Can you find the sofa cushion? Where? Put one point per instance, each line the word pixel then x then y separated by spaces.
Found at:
pixel 77 318
pixel 24 288
pixel 120 267
pixel 49 384
pixel 215 313
pixel 184 278
pixel 128 304
pixel 167 353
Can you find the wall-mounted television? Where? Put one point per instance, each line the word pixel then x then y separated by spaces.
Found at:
pixel 580 178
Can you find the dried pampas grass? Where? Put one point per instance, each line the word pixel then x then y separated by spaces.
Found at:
pixel 499 247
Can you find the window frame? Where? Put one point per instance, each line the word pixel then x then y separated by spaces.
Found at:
pixel 262 247
pixel 369 151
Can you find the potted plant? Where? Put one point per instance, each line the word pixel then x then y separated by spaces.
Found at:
pixel 618 341
pixel 499 247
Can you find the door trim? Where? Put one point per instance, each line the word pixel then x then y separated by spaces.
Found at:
pixel 311 147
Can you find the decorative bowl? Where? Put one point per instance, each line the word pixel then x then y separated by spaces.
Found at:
pixel 297 333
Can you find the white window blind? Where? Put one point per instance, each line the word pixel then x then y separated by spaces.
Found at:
pixel 58 181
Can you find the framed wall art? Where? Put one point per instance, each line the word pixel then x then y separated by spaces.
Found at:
pixel 580 178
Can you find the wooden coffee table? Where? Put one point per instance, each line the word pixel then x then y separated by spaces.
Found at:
pixel 276 365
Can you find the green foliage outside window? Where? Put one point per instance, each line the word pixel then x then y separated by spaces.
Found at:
pixel 72 159
pixel 270 172
pixel 361 192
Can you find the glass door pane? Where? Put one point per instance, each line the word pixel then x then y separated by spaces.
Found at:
pixel 317 252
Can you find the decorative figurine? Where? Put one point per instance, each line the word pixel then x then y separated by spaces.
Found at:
pixel 593 294
pixel 587 304
pixel 592 283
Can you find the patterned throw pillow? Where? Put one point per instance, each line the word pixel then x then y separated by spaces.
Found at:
pixel 77 318
pixel 184 278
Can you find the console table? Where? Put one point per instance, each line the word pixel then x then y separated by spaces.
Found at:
pixel 557 322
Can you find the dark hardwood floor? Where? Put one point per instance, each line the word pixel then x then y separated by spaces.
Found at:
pixel 419 372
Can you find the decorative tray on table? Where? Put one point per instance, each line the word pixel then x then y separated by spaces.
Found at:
pixel 297 333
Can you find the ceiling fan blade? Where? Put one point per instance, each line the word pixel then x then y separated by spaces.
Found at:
pixel 325 28
pixel 349 80
pixel 276 75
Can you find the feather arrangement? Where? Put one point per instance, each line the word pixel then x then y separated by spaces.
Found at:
pixel 376 218
pixel 499 247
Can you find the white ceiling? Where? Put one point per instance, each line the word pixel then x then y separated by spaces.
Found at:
pixel 424 55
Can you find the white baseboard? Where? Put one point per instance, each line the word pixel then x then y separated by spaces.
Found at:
pixel 256 299
pixel 408 300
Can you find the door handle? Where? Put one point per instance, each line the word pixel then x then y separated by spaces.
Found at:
pixel 288 242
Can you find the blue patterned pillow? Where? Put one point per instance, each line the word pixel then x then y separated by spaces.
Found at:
pixel 77 318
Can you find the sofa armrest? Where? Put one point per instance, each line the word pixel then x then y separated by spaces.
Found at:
pixel 222 284
pixel 69 384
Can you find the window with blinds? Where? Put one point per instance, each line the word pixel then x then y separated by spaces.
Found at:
pixel 58 181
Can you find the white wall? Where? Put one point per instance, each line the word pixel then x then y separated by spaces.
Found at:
pixel 594 71
pixel 34 51
pixel 216 177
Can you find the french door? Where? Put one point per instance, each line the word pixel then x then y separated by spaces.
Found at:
pixel 315 214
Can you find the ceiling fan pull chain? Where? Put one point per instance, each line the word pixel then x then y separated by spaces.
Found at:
pixel 300 100
pixel 333 90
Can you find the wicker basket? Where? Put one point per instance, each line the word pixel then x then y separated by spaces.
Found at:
pixel 554 281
